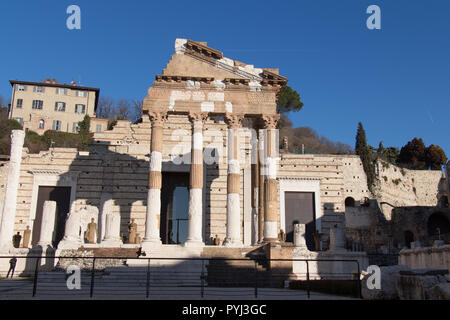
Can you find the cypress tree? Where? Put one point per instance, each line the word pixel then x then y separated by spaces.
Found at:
pixel 363 150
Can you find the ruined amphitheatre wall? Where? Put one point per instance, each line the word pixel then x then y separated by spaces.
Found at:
pixel 402 187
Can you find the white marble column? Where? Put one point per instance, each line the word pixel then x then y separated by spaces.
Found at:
pixel 195 215
pixel 112 230
pixel 233 235
pixel 152 236
pixel 47 224
pixel 9 206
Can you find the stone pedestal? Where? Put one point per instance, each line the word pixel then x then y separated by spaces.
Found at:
pixel 337 239
pixel 72 237
pixel 47 224
pixel 112 231
pixel 299 236
pixel 9 207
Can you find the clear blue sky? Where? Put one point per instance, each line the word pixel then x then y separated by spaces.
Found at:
pixel 395 80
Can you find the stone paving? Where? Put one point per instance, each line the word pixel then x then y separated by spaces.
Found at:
pixel 19 289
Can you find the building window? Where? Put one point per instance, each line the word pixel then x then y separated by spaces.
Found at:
pixel 98 128
pixel 37 104
pixel 80 108
pixel 19 103
pixel 39 89
pixel 41 124
pixel 60 106
pixel 19 120
pixel 82 94
pixel 56 125
pixel 61 91
pixel 76 127
pixel 21 87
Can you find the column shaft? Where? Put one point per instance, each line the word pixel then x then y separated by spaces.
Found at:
pixel 47 224
pixel 195 221
pixel 255 191
pixel 261 192
pixel 9 206
pixel 271 184
pixel 152 223
pixel 233 236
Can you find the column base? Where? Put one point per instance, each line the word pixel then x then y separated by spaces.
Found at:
pixel 271 240
pixel 194 243
pixel 111 243
pixel 6 248
pixel 68 245
pixel 232 243
pixel 151 244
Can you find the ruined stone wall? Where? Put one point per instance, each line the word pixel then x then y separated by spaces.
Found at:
pixel 354 178
pixel 402 187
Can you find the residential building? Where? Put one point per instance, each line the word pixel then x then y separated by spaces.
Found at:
pixel 49 105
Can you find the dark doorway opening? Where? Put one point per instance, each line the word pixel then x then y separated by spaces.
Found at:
pixel 174 207
pixel 438 224
pixel 300 208
pixel 409 237
pixel 62 197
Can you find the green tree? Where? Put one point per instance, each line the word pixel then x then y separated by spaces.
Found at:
pixel 413 154
pixel 289 100
pixel 84 133
pixel 435 157
pixel 361 142
pixel 365 153
pixel 391 154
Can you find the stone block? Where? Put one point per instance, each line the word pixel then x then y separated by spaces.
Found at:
pixel 440 291
pixel 388 290
pixel 416 284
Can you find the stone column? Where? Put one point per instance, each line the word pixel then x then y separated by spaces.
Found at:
pixel 261 180
pixel 195 222
pixel 255 188
pixel 47 224
pixel 9 206
pixel 112 230
pixel 233 236
pixel 271 183
pixel 152 235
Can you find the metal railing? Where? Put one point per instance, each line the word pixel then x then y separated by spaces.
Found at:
pixel 176 278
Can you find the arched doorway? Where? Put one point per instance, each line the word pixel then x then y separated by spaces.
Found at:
pixel 349 202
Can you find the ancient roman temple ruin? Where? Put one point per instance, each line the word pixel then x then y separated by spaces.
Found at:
pixel 200 175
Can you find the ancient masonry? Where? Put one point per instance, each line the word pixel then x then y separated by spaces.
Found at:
pixel 214 119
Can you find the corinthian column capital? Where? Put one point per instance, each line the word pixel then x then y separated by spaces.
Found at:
pixel 234 121
pixel 157 118
pixel 198 117
pixel 270 121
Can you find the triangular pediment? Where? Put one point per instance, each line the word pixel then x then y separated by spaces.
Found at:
pixel 196 59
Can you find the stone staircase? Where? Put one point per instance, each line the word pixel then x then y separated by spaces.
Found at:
pixel 169 269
